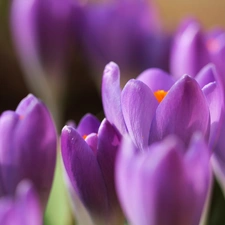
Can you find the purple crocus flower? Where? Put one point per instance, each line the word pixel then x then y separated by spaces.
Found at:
pixel 127 32
pixel 167 184
pixel 183 106
pixel 24 209
pixel 42 33
pixel 43 36
pixel 88 154
pixel 189 52
pixel 27 148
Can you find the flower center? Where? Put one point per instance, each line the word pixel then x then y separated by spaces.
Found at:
pixel 160 94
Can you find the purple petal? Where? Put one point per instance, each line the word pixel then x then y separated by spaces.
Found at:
pixel 84 172
pixel 24 208
pixel 142 194
pixel 206 75
pixel 27 204
pixel 197 160
pixel 109 141
pixel 26 103
pixel 88 124
pixel 189 53
pixel 138 106
pixel 183 111
pixel 8 166
pixel 111 96
pixel 35 148
pixel 92 141
pixel 215 98
pixel 156 79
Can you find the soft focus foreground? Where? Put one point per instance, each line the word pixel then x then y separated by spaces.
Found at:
pixel 152 151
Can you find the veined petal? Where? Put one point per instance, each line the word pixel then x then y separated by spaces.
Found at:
pixel 183 111
pixel 156 79
pixel 111 96
pixel 84 172
pixel 138 106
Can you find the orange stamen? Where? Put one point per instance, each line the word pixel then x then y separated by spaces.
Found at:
pixel 84 136
pixel 160 94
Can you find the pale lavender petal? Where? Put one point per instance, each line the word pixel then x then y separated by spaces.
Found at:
pixel 111 97
pixel 183 111
pixel 88 124
pixel 138 106
pixel 84 172
pixel 156 79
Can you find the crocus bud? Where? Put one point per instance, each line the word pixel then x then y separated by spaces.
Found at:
pixel 153 106
pixel 189 53
pixel 42 31
pixel 89 160
pixel 167 184
pixel 24 209
pixel 27 148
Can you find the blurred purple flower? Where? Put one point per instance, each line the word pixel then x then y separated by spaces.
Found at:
pixel 167 184
pixel 189 53
pixel 27 148
pixel 24 209
pixel 127 32
pixel 88 154
pixel 42 32
pixel 183 107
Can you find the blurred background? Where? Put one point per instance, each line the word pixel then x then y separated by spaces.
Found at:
pixel 83 95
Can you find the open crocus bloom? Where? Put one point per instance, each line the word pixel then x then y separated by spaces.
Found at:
pixel 165 184
pixel 153 106
pixel 88 154
pixel 27 148
pixel 24 209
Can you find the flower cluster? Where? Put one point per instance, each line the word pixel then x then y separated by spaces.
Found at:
pixel 153 158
